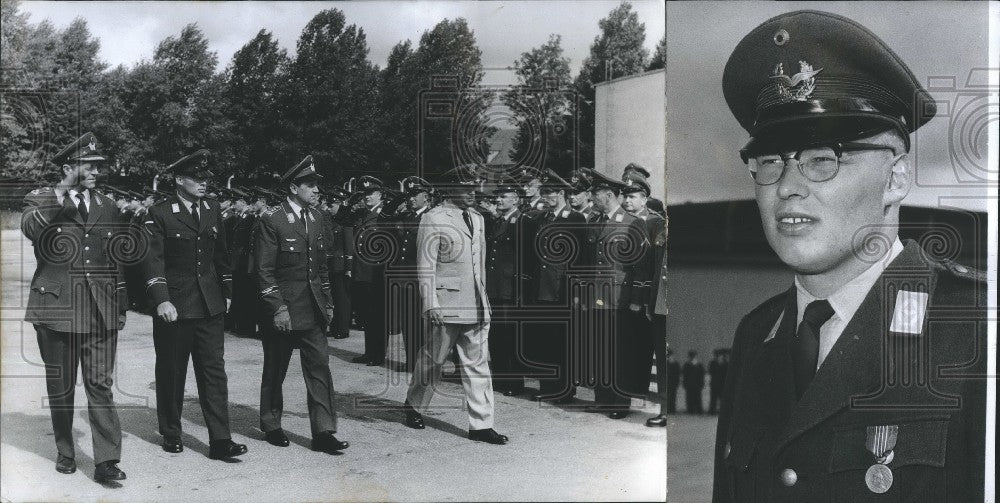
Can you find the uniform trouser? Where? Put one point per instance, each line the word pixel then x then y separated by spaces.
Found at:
pixel 244 309
pixel 315 369
pixel 471 344
pixel 371 307
pixel 653 339
pixel 618 349
pixel 408 315
pixel 202 341
pixel 340 288
pixel 62 352
pixel 714 395
pixel 505 365
pixel 549 348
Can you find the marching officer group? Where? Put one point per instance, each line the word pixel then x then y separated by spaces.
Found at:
pixel 546 278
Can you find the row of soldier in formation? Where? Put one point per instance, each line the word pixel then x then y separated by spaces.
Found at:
pixel 564 285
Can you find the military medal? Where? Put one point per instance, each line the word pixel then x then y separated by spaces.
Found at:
pixel 880 441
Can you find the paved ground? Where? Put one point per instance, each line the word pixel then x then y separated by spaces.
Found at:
pixel 555 453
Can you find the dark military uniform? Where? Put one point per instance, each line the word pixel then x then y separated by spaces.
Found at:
pixel 409 312
pixel 772 447
pixel 693 373
pixel 292 274
pixel 188 266
pixel 616 243
pixel 673 383
pixel 77 300
pixel 558 238
pixel 340 258
pixel 369 283
pixel 505 273
pixel 896 409
pixel 245 299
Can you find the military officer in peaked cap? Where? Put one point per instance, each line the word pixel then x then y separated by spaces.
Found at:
pixel 505 286
pixel 77 300
pixel 531 178
pixel 579 194
pixel 369 269
pixel 616 244
pixel 340 256
pixel 291 265
pixel 820 399
pixel 418 194
pixel 650 327
pixel 557 241
pixel 189 283
pixel 634 172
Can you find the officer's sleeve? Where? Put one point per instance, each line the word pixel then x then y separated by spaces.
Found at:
pixel 721 492
pixel 152 265
pixel 265 256
pixel 324 270
pixel 223 264
pixel 348 247
pixel 635 286
pixel 37 214
pixel 428 240
pixel 643 284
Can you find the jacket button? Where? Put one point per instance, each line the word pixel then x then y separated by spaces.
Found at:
pixel 41 289
pixel 789 477
pixel 86 248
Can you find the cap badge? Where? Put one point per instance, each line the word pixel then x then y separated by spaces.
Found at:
pixel 92 146
pixel 204 162
pixel 798 87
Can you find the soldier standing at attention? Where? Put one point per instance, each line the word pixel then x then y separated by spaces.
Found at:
pixel 340 256
pixel 189 281
pixel 290 258
pixel 368 277
pixel 865 379
pixel 77 303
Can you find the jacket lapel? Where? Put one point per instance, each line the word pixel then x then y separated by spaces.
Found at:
pixel 772 367
pixel 183 215
pixel 294 221
pixel 68 201
pixel 205 216
pixel 854 367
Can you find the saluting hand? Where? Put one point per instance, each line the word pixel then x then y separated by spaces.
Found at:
pixel 167 312
pixel 282 321
pixel 229 302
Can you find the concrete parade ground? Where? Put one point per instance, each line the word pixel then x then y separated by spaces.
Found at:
pixel 554 453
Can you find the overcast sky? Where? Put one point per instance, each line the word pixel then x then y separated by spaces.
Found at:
pixel 130 31
pixel 947 41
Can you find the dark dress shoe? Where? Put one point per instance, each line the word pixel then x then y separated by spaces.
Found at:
pixel 509 392
pixel 414 420
pixel 108 471
pixel 223 449
pixel 618 414
pixel 359 359
pixel 600 409
pixel 340 336
pixel 172 445
pixel 65 464
pixel 660 420
pixel 488 435
pixel 373 363
pixel 276 438
pixel 327 442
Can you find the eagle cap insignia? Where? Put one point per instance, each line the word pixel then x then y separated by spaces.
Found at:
pixel 798 87
pixel 92 146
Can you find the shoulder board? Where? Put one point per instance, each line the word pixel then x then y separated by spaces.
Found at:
pixel 963 271
pixel 40 190
pixel 271 210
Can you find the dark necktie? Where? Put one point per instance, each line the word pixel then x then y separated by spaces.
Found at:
pixel 305 222
pixel 81 206
pixel 194 214
pixel 468 220
pixel 806 345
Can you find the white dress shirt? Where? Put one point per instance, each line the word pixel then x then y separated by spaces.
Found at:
pixel 845 301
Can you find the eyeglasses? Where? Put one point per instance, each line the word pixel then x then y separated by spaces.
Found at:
pixel 817 164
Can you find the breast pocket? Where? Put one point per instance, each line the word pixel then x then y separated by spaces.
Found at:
pixel 177 244
pixel 917 463
pixel 290 253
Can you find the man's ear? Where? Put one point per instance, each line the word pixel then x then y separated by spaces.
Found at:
pixel 899 182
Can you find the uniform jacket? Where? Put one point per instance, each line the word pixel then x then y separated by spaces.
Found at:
pixel 407 225
pixel 614 250
pixel 187 264
pixel 770 447
pixel 241 248
pixel 558 241
pixel 340 249
pixel 368 235
pixel 647 270
pixel 451 265
pixel 291 269
pixel 507 254
pixel 79 282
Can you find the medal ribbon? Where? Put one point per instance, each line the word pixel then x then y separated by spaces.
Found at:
pixel 881 440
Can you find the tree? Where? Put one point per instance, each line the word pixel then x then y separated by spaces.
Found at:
pixel 618 51
pixel 254 80
pixel 542 103
pixel 329 102
pixel 660 56
pixel 448 56
pixel 397 112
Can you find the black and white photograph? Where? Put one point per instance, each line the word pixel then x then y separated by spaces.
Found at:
pixel 333 251
pixel 831 192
